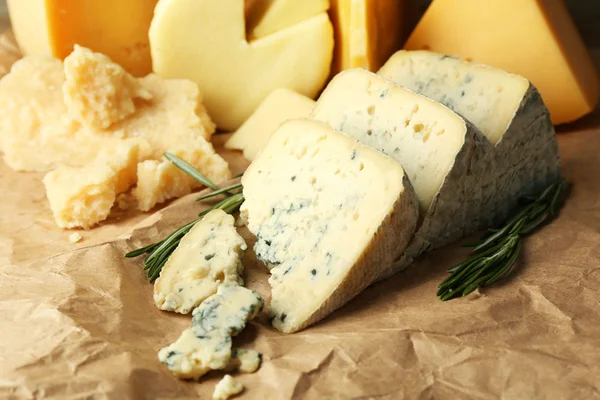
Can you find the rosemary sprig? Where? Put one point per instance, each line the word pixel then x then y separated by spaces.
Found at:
pixel 159 252
pixel 496 253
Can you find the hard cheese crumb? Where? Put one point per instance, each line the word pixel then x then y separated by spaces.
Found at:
pixel 75 237
pixel 43 128
pixel 226 388
pixel 97 91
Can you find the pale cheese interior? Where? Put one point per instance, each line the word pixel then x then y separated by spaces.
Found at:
pixel 315 199
pixel 486 96
pixel 422 135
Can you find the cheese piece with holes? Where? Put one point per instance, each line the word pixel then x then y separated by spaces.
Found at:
pixel 97 91
pixel 161 180
pixel 279 106
pixel 329 215
pixel 53 27
pixel 505 107
pixel 235 75
pixel 209 254
pixel 536 39
pixel 206 345
pixel 226 388
pixel 265 17
pixel 367 32
pixel 444 156
pixel 82 197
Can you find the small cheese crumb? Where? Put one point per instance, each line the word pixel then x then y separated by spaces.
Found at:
pixel 97 91
pixel 75 237
pixel 226 388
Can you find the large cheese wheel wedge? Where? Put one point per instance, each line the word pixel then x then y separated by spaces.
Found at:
pixel 533 38
pixel 329 214
pixel 116 28
pixel 505 107
pixel 205 41
pixel 444 156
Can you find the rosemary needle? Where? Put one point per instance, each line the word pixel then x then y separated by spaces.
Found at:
pixel 158 253
pixel 495 255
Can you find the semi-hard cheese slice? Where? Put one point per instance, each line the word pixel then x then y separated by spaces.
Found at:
pixel 443 155
pixel 235 75
pixel 329 215
pixel 279 106
pixel 367 32
pixel 506 108
pixel 533 38
pixel 97 91
pixel 208 255
pixel 206 345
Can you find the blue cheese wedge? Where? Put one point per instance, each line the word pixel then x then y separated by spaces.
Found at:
pixel 329 215
pixel 208 255
pixel 206 345
pixel 226 388
pixel 507 109
pixel 443 155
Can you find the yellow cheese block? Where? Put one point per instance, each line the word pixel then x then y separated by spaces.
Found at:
pixel 264 17
pixel 116 28
pixel 533 38
pixel 367 32
pixel 279 106
pixel 205 41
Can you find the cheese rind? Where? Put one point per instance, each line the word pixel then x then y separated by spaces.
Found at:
pixel 329 215
pixel 226 388
pixel 208 255
pixel 97 91
pixel 505 107
pixel 444 156
pixel 207 344
pixel 279 106
pixel 235 75
pixel 536 39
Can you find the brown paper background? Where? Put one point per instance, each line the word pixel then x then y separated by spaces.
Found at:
pixel 77 321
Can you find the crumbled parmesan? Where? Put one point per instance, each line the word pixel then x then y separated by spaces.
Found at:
pixel 78 120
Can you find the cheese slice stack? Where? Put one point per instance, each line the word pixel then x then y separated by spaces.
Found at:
pixel 329 215
pixel 505 107
pixel 443 155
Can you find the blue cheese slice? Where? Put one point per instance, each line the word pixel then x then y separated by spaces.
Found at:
pixel 507 109
pixel 243 360
pixel 206 345
pixel 209 254
pixel 443 155
pixel 329 215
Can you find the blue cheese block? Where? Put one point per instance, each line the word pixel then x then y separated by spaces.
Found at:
pixel 209 254
pixel 329 215
pixel 444 156
pixel 507 109
pixel 206 345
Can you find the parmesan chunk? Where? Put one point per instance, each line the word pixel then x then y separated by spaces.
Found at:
pixel 97 91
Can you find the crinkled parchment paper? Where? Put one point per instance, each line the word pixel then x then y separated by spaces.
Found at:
pixel 77 321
